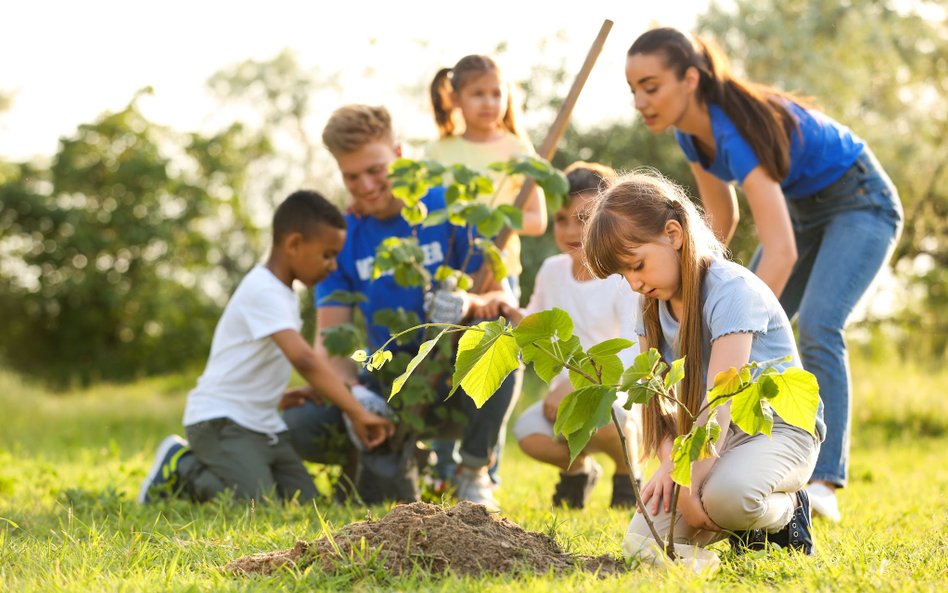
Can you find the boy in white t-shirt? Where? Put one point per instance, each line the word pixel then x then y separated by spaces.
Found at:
pixel 237 440
pixel 600 309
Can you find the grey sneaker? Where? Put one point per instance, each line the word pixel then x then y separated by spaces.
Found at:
pixel 573 489
pixel 474 485
pixel 161 481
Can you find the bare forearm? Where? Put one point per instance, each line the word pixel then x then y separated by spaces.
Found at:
pixel 775 267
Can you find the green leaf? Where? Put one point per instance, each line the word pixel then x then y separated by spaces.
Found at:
pixel 477 213
pixel 642 367
pixel 727 383
pixel 494 257
pixel 692 447
pixel 342 339
pixel 751 412
pixel 344 297
pixel 582 413
pixel 607 369
pixel 552 324
pixel 635 379
pixel 675 374
pixel 435 218
pixel 484 360
pixel 491 225
pixel 798 398
pixel 397 321
pixel 513 215
pixel 423 351
pixel 465 282
pixel 443 273
pixel 611 346
pixel 545 365
pixel 415 214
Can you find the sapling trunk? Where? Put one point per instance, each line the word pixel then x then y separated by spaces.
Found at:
pixel 669 549
pixel 669 543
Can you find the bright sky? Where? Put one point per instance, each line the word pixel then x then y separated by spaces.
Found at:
pixel 68 62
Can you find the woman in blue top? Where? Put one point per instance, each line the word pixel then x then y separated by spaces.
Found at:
pixel 826 213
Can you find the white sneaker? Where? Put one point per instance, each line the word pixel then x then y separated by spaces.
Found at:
pixel 474 485
pixel 823 501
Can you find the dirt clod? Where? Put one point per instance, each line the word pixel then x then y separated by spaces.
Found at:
pixel 464 539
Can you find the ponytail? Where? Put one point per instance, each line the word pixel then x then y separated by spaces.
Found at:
pixel 759 112
pixel 441 102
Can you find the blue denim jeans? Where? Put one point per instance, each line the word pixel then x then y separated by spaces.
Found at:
pixel 844 233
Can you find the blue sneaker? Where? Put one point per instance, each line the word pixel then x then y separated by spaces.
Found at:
pixel 798 534
pixel 161 479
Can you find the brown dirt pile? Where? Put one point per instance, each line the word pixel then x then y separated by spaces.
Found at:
pixel 464 539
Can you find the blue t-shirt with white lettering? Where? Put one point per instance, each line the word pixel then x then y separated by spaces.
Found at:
pixel 735 300
pixel 820 152
pixel 442 243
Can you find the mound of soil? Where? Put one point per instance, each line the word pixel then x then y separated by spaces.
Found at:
pixel 464 539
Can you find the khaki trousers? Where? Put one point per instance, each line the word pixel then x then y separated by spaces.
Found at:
pixel 751 486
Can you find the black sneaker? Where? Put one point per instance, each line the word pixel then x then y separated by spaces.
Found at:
pixel 750 540
pixel 573 490
pixel 623 496
pixel 798 534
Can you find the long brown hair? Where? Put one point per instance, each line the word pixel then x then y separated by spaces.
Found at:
pixel 631 213
pixel 759 112
pixel 449 80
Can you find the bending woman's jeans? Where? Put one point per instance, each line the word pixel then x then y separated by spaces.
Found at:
pixel 845 233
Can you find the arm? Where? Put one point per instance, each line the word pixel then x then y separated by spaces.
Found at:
pixel 720 203
pixel 772 219
pixel 318 372
pixel 534 214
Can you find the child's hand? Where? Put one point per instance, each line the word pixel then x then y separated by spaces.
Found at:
pixel 692 511
pixel 659 489
pixel 372 429
pixel 296 397
pixel 494 307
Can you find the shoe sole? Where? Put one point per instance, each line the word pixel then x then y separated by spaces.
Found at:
pixel 163 448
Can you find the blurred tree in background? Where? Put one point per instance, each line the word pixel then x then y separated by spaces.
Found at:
pixel 102 256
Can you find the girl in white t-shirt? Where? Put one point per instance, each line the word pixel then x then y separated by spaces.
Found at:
pixel 600 309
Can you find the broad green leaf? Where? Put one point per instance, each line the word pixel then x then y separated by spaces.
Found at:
pixel 477 213
pixel 513 215
pixel 397 321
pixel 555 323
pixel 491 225
pixel 547 366
pixel 452 194
pixel 727 383
pixel 798 398
pixel 751 412
pixel 635 379
pixel 675 374
pixel 611 346
pixel 359 356
pixel 642 367
pixel 423 351
pixel 344 297
pixel 465 282
pixel 493 256
pixel 692 447
pixel 607 369
pixel 484 360
pixel 582 413
pixel 435 218
pixel 342 339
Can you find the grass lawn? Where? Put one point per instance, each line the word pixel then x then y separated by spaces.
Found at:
pixel 70 465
